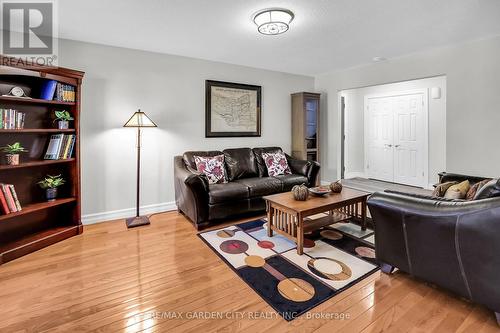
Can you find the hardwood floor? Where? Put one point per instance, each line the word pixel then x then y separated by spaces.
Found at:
pixel 113 279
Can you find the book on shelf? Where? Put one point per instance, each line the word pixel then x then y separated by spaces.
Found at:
pixel 64 93
pixel 60 146
pixel 8 199
pixel 48 90
pixel 11 119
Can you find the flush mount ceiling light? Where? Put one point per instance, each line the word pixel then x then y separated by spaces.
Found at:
pixel 273 21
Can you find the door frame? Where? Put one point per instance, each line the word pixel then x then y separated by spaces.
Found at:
pixel 425 110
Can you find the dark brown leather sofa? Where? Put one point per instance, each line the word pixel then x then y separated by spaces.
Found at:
pixel 454 244
pixel 248 182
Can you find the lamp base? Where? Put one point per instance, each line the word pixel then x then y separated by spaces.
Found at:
pixel 137 221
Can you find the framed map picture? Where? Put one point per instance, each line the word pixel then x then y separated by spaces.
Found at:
pixel 232 109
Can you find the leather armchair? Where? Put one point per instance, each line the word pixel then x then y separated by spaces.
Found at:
pixel 453 244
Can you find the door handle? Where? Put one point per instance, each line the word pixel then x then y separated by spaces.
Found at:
pixel 387 145
pixel 397 146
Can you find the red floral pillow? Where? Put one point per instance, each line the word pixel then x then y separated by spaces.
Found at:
pixel 276 164
pixel 213 167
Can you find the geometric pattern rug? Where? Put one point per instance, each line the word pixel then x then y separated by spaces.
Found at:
pixel 335 258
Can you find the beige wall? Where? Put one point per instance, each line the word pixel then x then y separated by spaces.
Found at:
pixel 473 102
pixel 171 90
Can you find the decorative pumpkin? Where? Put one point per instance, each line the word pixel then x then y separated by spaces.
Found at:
pixel 300 192
pixel 336 187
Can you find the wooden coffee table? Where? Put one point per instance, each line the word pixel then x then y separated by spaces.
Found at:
pixel 288 217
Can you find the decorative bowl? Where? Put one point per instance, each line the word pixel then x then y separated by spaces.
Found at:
pixel 320 190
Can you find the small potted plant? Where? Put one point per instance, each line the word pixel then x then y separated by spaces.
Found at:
pixel 50 185
pixel 12 152
pixel 63 117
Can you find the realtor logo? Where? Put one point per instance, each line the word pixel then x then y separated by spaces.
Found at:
pixel 28 30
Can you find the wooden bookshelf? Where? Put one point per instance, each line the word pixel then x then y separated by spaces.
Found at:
pixel 40 223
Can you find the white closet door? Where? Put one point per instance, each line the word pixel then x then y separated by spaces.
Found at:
pixel 409 140
pixel 396 138
pixel 379 153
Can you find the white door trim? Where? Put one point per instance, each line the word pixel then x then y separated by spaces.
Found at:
pixel 425 110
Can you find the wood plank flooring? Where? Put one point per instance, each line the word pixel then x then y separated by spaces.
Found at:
pixel 162 278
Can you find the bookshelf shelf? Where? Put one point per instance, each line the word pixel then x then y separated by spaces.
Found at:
pixel 37 207
pixel 36 130
pixel 32 101
pixel 40 223
pixel 35 164
pixel 35 241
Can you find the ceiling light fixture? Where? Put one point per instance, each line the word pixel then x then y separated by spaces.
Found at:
pixel 273 21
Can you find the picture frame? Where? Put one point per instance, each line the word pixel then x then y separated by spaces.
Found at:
pixel 232 109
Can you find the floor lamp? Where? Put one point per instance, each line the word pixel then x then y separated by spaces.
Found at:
pixel 139 119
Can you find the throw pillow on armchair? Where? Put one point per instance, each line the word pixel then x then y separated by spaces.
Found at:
pixel 458 191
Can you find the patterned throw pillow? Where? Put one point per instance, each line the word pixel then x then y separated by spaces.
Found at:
pixel 213 167
pixel 276 164
pixel 475 188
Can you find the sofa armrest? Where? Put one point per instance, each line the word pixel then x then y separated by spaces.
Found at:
pixel 308 169
pixel 191 191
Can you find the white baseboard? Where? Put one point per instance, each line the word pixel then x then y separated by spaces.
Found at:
pixel 354 175
pixel 127 212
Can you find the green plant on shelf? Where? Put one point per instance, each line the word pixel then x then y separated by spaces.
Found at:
pixel 63 116
pixel 51 182
pixel 14 149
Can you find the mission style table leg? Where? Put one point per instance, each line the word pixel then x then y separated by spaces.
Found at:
pixel 300 234
pixel 270 218
pixel 363 214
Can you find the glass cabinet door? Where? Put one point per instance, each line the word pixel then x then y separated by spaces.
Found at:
pixel 311 118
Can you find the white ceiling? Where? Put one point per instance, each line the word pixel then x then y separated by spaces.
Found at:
pixel 326 34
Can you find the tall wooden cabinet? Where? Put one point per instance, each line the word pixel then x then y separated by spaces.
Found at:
pixel 305 126
pixel 40 222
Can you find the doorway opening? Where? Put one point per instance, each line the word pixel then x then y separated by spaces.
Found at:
pixel 394 132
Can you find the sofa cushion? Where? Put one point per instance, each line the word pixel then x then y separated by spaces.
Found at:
pixel 260 186
pixel 261 165
pixel 490 190
pixel 213 167
pixel 219 193
pixel 290 181
pixel 240 163
pixel 188 156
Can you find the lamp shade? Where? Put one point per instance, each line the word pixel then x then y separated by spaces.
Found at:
pixel 139 119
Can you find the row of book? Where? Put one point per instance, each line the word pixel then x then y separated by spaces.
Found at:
pixel 60 146
pixel 65 93
pixel 9 203
pixel 11 119
pixel 53 90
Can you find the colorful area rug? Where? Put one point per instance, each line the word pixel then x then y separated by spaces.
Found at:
pixel 335 258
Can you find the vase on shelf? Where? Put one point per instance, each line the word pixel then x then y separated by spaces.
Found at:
pixel 12 159
pixel 63 124
pixel 51 194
